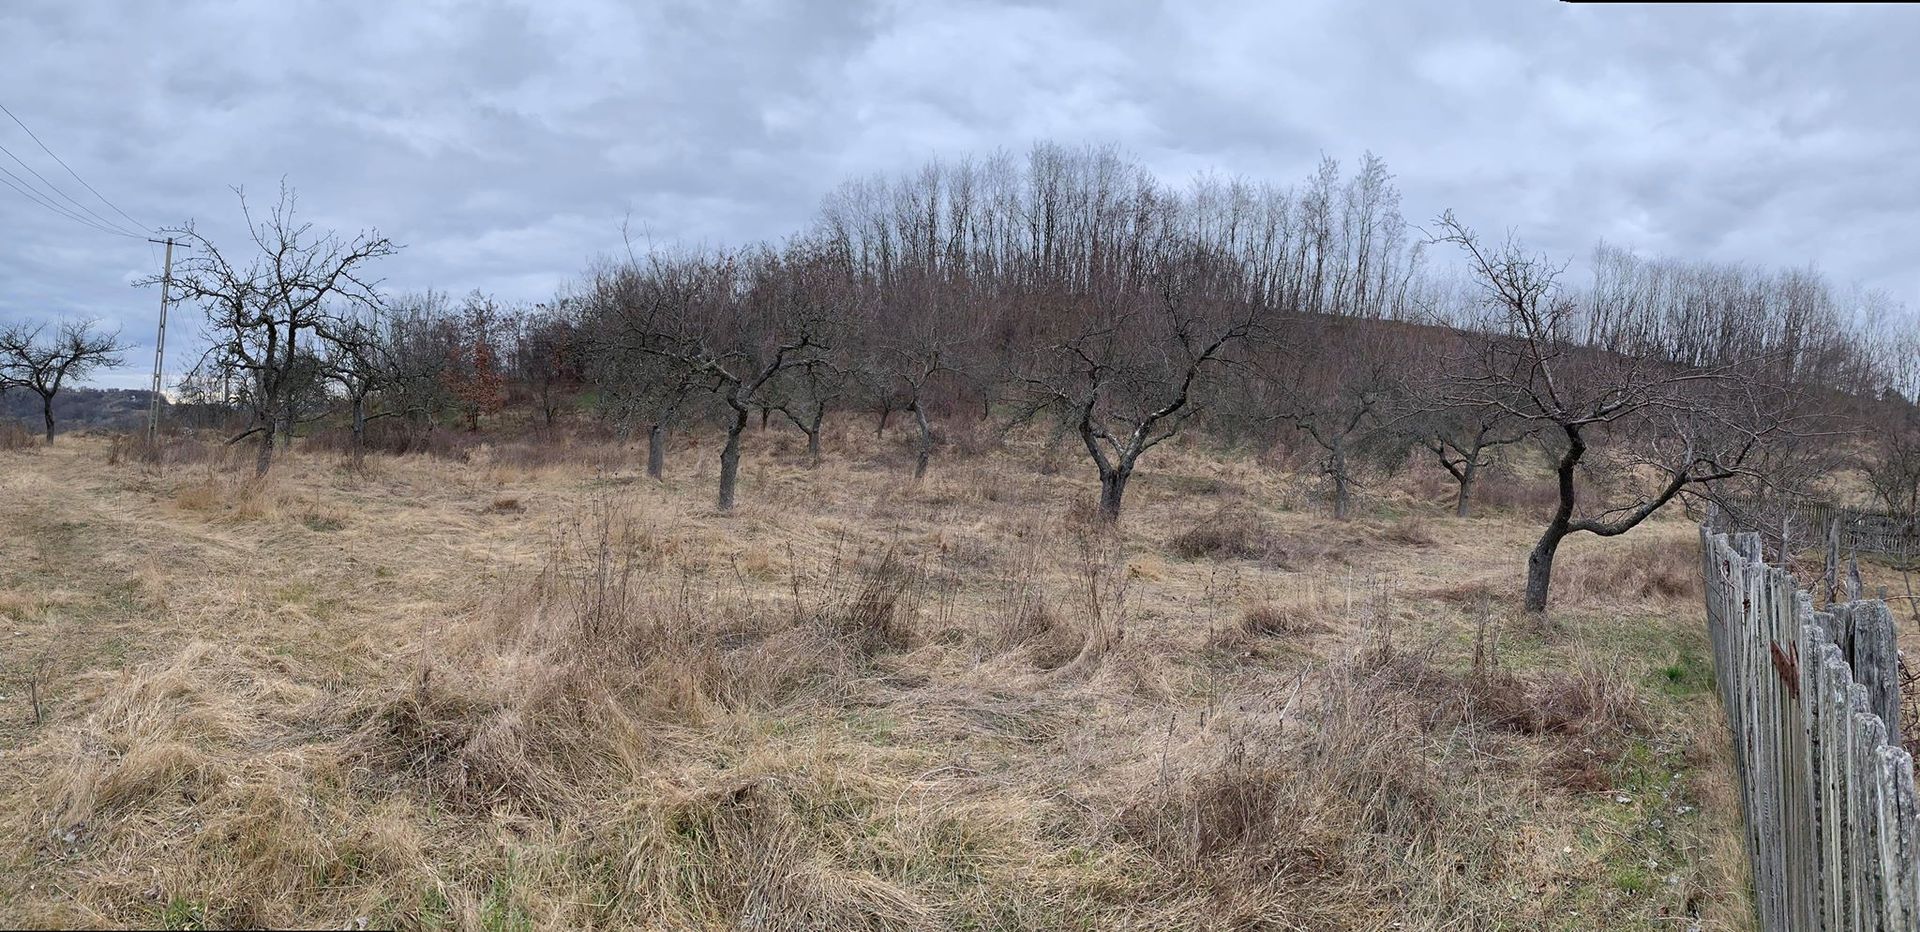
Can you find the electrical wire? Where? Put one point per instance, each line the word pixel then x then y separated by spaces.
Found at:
pixel 76 175
pixel 97 219
pixel 28 191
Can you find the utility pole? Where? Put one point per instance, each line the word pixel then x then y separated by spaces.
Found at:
pixel 159 346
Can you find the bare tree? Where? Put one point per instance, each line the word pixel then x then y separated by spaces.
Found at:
pixel 1335 383
pixel 419 337
pixel 1464 439
pixel 546 357
pixel 916 369
pixel 45 366
pixel 1895 481
pixel 259 312
pixel 1129 376
pixel 629 306
pixel 1651 429
pixel 753 318
pixel 803 394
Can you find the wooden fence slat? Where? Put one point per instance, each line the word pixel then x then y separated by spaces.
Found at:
pixel 1832 823
pixel 1898 860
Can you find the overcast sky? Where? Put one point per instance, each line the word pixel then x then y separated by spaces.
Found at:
pixel 503 143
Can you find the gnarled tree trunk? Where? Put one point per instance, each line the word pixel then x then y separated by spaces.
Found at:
pixel 656 451
pixel 730 457
pixel 924 451
pixel 1463 502
pixel 1113 487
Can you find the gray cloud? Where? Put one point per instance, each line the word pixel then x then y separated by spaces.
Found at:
pixel 505 142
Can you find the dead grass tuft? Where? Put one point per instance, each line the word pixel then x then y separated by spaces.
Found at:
pixel 15 436
pixel 168 450
pixel 1409 530
pixel 1327 808
pixel 1232 531
pixel 1663 570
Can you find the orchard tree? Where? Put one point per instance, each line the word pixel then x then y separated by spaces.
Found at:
pixel 473 373
pixel 753 317
pixel 1655 428
pixel 1465 438
pixel 803 394
pixel 43 363
pixel 630 354
pixel 547 357
pixel 259 311
pixel 1128 373
pixel 1335 381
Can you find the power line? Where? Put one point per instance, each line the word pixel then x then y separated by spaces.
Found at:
pixel 76 175
pixel 56 190
pixel 28 191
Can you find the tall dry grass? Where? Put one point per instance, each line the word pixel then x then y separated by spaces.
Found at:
pixel 854 703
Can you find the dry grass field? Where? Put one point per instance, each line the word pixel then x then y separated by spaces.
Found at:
pixel 537 690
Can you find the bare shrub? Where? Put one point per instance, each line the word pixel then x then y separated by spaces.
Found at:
pixel 1322 823
pixel 966 438
pixel 1514 493
pixel 1658 570
pixel 574 669
pixel 875 614
pixel 1410 531
pixel 1270 620
pixel 167 450
pixel 1021 614
pixel 15 436
pixel 1589 714
pixel 1263 622
pixel 1232 531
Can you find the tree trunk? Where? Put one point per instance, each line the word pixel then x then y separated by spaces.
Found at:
pixel 656 451
pixel 925 450
pixel 1540 567
pixel 886 413
pixel 359 429
pixel 46 413
pixel 813 436
pixel 1337 471
pixel 730 459
pixel 1113 486
pixel 263 457
pixel 1463 504
pixel 1540 561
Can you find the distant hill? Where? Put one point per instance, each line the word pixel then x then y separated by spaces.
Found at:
pixel 82 408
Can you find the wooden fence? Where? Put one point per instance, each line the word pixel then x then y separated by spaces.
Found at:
pixel 1812 699
pixel 1865 531
pixel 1854 530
